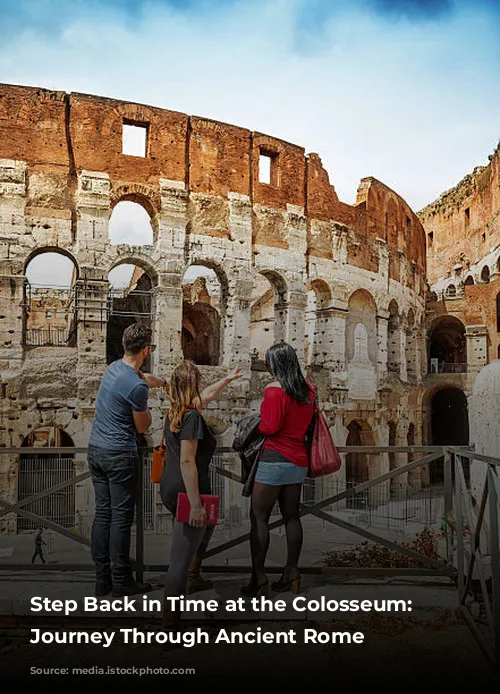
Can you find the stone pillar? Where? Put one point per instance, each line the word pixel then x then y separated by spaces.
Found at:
pixel 484 415
pixel 172 223
pixel 477 346
pixel 296 307
pixel 12 256
pixel 237 329
pixel 403 372
pixel 382 334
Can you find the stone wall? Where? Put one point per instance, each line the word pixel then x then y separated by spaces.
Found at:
pixel 62 171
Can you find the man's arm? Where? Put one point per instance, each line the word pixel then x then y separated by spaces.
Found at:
pixel 138 399
pixel 154 381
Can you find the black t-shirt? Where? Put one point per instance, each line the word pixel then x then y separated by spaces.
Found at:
pixel 193 426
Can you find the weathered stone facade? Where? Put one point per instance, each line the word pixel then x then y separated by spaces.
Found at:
pixel 463 255
pixel 62 172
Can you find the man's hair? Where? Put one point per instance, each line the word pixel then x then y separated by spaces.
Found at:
pixel 136 337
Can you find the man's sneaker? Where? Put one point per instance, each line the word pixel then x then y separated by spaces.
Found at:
pixel 120 589
pixel 102 588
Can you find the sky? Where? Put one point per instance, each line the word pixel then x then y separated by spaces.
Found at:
pixel 407 91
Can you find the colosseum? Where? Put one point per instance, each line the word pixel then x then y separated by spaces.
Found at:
pixel 244 242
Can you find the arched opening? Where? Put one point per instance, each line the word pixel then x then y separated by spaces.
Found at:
pixel 39 471
pixel 130 301
pixel 451 291
pixel 361 310
pixel 485 274
pixel 267 315
pixel 449 426
pixel 498 312
pixel 393 339
pixel 49 300
pixel 447 346
pixel 317 349
pixel 469 281
pixel 203 313
pixel 130 223
pixel 357 465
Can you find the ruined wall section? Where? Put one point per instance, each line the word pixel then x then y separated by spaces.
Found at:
pixel 62 171
pixel 463 225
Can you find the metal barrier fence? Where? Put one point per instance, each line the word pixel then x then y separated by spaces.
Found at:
pixel 472 533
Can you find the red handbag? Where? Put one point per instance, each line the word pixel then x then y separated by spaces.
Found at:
pixel 324 457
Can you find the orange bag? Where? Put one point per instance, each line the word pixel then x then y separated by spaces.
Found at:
pixel 159 459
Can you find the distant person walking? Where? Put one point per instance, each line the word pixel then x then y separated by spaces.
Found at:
pixel 121 412
pixel 38 547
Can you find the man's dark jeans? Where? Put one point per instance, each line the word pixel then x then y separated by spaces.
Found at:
pixel 114 475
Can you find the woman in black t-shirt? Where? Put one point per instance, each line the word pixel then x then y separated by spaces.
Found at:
pixel 190 446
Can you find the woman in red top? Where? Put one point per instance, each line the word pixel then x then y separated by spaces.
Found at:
pixel 286 412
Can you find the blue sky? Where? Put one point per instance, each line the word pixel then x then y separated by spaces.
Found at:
pixel 407 91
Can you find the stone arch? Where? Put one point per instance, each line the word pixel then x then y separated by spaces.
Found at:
pixel 49 298
pixel 268 313
pixel 130 300
pixel 317 323
pixel 485 274
pixel 359 433
pixel 205 290
pixel 447 345
pixel 451 291
pixel 52 249
pixel 362 309
pixel 41 470
pixel 469 281
pixel 146 196
pixel 447 422
pixel 135 213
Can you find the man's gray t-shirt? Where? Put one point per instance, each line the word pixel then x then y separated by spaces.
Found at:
pixel 121 392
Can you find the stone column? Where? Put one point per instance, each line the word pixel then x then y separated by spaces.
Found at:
pixel 382 334
pixel 403 372
pixel 172 223
pixel 477 346
pixel 93 210
pixel 484 415
pixel 12 256
pixel 296 307
pixel 237 329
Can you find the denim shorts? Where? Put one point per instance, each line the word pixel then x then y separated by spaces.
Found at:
pixel 277 474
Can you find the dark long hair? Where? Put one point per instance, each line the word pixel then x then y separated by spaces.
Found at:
pixel 283 364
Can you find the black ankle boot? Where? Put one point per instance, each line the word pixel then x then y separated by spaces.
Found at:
pixel 259 585
pixel 289 580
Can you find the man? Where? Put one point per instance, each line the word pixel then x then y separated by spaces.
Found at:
pixel 38 546
pixel 121 412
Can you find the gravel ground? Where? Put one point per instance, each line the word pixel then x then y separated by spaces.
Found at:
pixel 428 649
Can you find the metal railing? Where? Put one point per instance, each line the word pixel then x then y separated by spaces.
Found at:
pixel 49 337
pixel 448 368
pixel 472 537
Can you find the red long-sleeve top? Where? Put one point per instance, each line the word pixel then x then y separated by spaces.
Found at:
pixel 284 422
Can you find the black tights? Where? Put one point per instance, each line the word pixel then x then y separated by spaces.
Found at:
pixel 264 496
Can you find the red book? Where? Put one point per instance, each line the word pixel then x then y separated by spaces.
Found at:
pixel 210 502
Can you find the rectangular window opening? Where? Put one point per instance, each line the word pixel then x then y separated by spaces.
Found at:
pixel 268 168
pixel 134 138
pixel 430 236
pixel 467 216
